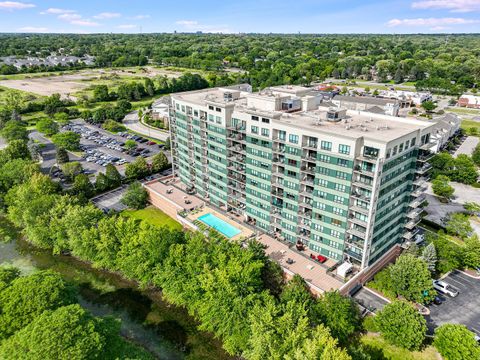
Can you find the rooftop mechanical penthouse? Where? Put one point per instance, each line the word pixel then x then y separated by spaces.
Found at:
pixel 344 183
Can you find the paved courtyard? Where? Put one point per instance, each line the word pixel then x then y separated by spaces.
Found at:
pixel 111 200
pixel 370 300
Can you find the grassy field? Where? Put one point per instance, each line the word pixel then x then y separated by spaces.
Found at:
pixel 153 216
pixel 469 124
pixel 463 111
pixel 379 349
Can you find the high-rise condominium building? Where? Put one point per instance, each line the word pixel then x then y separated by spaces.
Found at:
pixel 344 183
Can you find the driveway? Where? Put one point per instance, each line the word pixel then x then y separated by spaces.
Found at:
pixel 131 122
pixel 368 299
pixel 467 146
pixel 463 309
pixel 111 200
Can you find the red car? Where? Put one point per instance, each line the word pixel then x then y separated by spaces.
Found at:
pixel 319 258
pixel 151 143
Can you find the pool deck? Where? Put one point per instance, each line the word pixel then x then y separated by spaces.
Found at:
pixel 244 231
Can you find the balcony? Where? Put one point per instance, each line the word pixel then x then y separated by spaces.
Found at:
pixel 308 180
pixel 305 205
pixel 357 244
pixel 414 213
pixel 423 169
pixel 353 254
pixel 369 159
pixel 279 140
pixel 420 181
pixel 357 233
pixel 310 146
pixel 419 192
pixel 359 209
pixel 307 194
pixel 362 184
pixel 425 157
pixel 308 169
pixel 358 195
pixel 305 214
pixel 417 202
pixel 408 235
pixel 358 169
pixel 412 223
pixel 357 221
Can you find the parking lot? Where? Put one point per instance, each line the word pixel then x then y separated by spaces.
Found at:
pixel 103 148
pixel 367 299
pixel 462 309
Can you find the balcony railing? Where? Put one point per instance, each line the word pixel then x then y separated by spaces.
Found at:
pixel 357 233
pixel 423 169
pixel 417 202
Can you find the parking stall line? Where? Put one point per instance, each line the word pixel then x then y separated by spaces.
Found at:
pixel 459 284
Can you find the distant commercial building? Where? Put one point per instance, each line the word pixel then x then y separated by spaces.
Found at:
pixel 345 183
pixel 469 101
pixel 406 98
pixel 367 103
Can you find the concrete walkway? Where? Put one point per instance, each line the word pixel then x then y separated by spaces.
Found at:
pixel 132 122
pixel 467 146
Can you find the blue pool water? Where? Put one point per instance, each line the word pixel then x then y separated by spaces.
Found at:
pixel 218 224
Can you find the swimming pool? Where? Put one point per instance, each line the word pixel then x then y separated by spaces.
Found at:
pixel 218 224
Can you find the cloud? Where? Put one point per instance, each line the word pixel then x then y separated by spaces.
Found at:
pixel 33 29
pixel 140 17
pixel 69 17
pixel 431 22
pixel 193 25
pixel 13 5
pixel 452 5
pixel 107 15
pixel 84 23
pixel 127 26
pixel 56 11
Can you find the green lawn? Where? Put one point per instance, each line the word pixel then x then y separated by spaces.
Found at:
pixel 153 216
pixel 379 349
pixel 463 111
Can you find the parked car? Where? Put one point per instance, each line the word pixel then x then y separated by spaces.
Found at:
pixel 151 143
pixel 445 288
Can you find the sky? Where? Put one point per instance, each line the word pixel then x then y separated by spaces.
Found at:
pixel 241 16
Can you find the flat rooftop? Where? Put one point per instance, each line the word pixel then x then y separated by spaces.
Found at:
pixel 356 124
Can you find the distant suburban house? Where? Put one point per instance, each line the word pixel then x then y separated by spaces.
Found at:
pixel 469 101
pixel 52 60
pixel 367 103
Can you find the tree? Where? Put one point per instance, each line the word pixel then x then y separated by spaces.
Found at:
pixel 7 275
pixel 429 254
pixel 137 169
pixel 410 277
pixel 441 187
pixel 401 325
pixel 465 170
pixel 429 106
pixel 159 162
pixel 340 314
pixel 53 104
pixel 136 196
pixel 471 252
pixel 68 140
pixel 459 225
pixel 476 155
pixel 29 296
pixel 100 93
pixel 16 149
pixel 47 126
pixel 13 130
pixel 71 169
pixel 113 176
pixel 101 183
pixel 455 341
pixel 130 144
pixel 82 187
pixel 68 332
pixel 472 207
pixel 62 156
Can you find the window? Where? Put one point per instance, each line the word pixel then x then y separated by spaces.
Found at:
pixel 211 118
pixel 254 129
pixel 413 141
pixel 326 145
pixel 340 187
pixel 210 107
pixel 336 233
pixel 293 139
pixel 344 149
pixel 218 109
pixel 322 194
pixel 282 135
pixel 323 170
pixel 407 144
pixel 341 175
pixel 323 182
pixel 400 148
pixel 265 132
pixel 177 106
pixel 265 121
pixel 324 158
pixel 338 199
pixel 389 153
pixel 254 118
pixel 394 150
pixel 342 162
pixel 218 119
pixel 337 210
pixel 336 222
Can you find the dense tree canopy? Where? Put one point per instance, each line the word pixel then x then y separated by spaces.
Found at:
pixel 454 341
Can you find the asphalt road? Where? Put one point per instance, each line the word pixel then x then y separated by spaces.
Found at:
pixel 462 309
pixel 131 122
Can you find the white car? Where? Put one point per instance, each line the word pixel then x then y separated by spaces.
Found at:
pixel 445 288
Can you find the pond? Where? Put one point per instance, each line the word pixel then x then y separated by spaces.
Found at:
pixel 167 331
